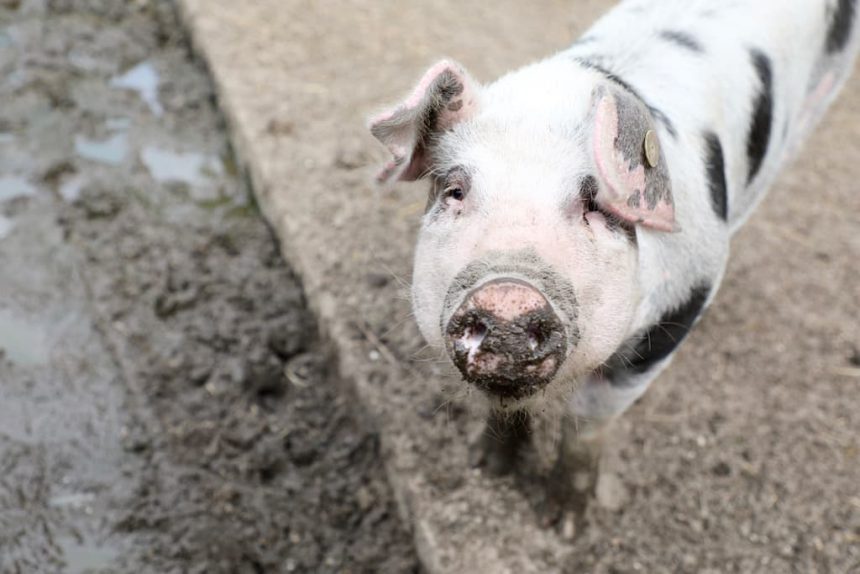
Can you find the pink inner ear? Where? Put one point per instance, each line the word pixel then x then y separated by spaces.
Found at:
pixel 623 192
pixel 400 128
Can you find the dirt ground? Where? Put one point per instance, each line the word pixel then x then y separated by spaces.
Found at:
pixel 165 404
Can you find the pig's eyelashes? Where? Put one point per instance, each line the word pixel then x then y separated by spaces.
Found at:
pixel 590 205
pixel 588 189
pixel 453 195
pixel 588 192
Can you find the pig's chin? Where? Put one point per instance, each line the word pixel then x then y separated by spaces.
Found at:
pixel 535 397
pixel 549 398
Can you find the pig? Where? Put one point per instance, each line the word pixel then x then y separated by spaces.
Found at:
pixel 580 208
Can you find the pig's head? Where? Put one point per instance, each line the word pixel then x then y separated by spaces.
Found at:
pixel 526 265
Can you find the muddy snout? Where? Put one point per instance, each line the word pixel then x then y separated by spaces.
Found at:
pixel 506 339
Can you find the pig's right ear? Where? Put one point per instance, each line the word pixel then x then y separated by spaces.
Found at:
pixel 445 96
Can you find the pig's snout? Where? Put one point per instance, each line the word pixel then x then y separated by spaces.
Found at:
pixel 506 339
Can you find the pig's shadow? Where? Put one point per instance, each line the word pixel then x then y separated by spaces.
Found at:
pixel 557 495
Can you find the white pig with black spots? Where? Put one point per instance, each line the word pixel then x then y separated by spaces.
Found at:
pixel 581 207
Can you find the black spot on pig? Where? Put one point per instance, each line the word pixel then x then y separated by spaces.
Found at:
pixel 715 166
pixel 840 26
pixel 656 343
pixel 663 119
pixel 634 124
pixel 448 87
pixel 683 40
pixel 762 120
pixel 655 112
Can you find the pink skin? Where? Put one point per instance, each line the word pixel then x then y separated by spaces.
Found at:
pixel 621 181
pixel 507 300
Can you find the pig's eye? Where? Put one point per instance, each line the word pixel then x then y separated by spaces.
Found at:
pixel 453 194
pixel 455 187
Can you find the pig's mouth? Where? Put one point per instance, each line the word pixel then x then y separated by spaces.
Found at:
pixel 503 376
pixel 506 339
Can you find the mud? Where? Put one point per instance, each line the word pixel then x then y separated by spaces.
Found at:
pixel 165 404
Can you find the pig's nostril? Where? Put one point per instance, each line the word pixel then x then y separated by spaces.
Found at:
pixel 475 330
pixel 536 334
pixel 474 334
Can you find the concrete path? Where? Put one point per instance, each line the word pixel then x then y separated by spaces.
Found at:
pixel 745 455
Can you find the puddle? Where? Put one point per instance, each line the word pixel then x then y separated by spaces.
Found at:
pixel 118 124
pixel 142 79
pixel 6 226
pixel 75 500
pixel 13 186
pixel 83 556
pixel 111 151
pixel 70 189
pixel 21 341
pixel 191 168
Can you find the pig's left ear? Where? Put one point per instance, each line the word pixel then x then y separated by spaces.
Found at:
pixel 635 184
pixel 445 96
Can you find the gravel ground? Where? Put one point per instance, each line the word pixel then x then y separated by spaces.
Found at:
pixel 165 405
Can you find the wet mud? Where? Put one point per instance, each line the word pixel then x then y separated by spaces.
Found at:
pixel 165 403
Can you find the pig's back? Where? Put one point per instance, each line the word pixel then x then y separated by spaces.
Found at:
pixel 757 75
